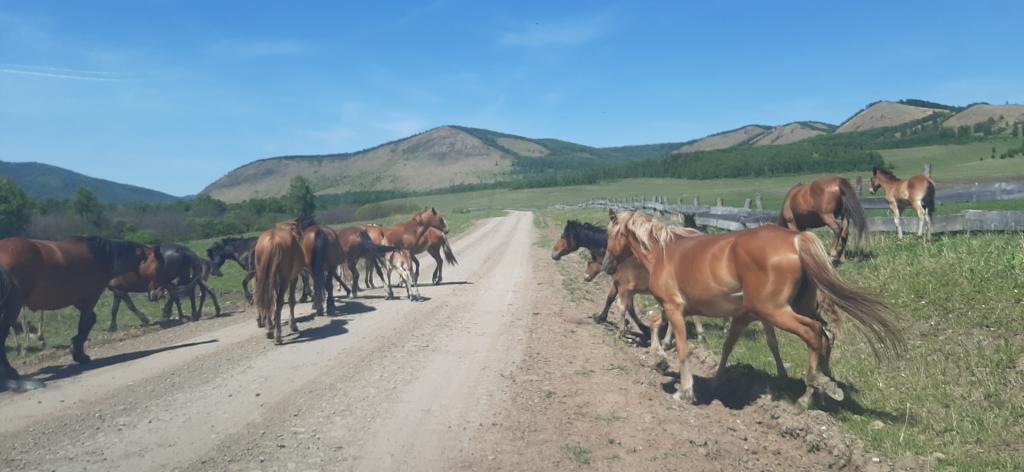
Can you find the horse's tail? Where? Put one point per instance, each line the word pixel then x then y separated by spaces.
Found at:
pixel 318 264
pixel 266 273
pixel 928 202
pixel 376 251
pixel 448 254
pixel 10 299
pixel 870 313
pixel 852 209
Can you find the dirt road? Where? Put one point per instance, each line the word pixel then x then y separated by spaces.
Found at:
pixel 497 370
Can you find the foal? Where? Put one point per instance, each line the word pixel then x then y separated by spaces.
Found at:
pixel 917 191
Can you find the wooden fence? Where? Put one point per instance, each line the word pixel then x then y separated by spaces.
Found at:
pixel 733 218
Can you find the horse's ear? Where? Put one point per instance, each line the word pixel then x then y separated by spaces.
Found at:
pixel 611 215
pixel 432 210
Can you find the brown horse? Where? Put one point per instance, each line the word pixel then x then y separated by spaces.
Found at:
pixel 322 255
pixel 917 191
pixel 631 278
pixel 408 234
pixel 433 242
pixel 829 201
pixel 279 262
pixel 49 275
pixel 769 273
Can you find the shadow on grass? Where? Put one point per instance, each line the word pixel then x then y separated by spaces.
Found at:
pixel 742 385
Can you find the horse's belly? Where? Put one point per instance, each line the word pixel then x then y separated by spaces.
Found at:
pixel 725 305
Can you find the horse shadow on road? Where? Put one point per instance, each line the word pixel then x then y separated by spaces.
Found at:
pixel 52 373
pixel 335 327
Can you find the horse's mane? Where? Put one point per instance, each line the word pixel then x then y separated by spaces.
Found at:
pixel 109 251
pixel 885 173
pixel 586 235
pixel 647 228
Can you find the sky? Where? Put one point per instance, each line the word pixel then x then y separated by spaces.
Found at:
pixel 172 95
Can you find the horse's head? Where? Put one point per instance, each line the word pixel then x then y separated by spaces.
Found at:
pixel 874 181
pixel 567 243
pixel 217 254
pixel 431 218
pixel 150 261
pixel 618 248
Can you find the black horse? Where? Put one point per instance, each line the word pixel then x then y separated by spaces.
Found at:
pixel 242 251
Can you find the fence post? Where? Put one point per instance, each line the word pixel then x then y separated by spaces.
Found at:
pixel 860 185
pixel 720 202
pixel 759 202
pixel 696 200
pixel 928 170
pixel 746 204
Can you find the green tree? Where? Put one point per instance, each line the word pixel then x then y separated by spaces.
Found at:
pixel 87 207
pixel 14 207
pixel 300 197
pixel 205 206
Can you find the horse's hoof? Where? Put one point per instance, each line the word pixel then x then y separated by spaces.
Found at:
pixel 113 328
pixel 684 396
pixel 278 341
pixel 270 335
pixel 295 329
pixel 80 357
pixel 833 391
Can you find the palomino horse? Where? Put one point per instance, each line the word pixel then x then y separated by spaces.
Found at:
pixel 631 278
pixel 769 273
pixel 49 275
pixel 828 201
pixel 917 191
pixel 279 262
pixel 322 255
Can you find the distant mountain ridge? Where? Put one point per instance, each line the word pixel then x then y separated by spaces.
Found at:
pixel 46 181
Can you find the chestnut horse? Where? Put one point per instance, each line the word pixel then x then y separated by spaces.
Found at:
pixel 409 234
pixel 49 275
pixel 829 201
pixel 917 191
pixel 433 241
pixel 770 274
pixel 279 262
pixel 322 255
pixel 632 278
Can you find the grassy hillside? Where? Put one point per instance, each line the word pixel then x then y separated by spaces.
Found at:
pixel 46 181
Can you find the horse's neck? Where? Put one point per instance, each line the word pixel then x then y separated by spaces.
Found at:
pixel 890 184
pixel 596 254
pixel 648 258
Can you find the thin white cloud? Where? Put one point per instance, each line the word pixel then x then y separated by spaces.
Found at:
pixel 559 33
pixel 58 73
pixel 261 47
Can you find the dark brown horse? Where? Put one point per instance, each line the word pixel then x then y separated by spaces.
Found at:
pixel 829 201
pixel 279 262
pixel 918 192
pixel 240 250
pixel 770 274
pixel 49 275
pixel 322 255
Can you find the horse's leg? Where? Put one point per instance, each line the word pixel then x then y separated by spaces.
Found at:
pixel 698 327
pixel 245 286
pixel 17 339
pixel 131 306
pixel 355 277
pixel 416 268
pixel 9 311
pixel 213 298
pixel 291 312
pixel 377 268
pixel 921 214
pixel 813 335
pixel 613 292
pixel 895 208
pixel 330 290
pixel 674 312
pixel 830 221
pixel 736 328
pixel 435 252
pixel 86 320
pixel 773 345
pixel 341 281
pixel 39 336
pixel 196 314
pixel 630 310
pixel 113 312
pixel 844 236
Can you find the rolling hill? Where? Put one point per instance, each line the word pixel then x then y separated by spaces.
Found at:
pixel 46 181
pixel 455 155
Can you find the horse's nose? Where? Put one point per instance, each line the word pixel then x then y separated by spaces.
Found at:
pixel 555 256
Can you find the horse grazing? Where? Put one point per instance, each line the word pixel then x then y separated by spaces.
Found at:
pixel 829 201
pixel 769 273
pixel 240 250
pixel 279 262
pixel 49 275
pixel 917 191
pixel 322 255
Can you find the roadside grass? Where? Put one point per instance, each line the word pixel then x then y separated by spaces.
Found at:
pixel 576 453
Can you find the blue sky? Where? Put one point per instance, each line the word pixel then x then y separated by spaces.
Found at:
pixel 173 94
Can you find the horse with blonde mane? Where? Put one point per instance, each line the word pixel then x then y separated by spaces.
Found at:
pixel 917 192
pixel 769 274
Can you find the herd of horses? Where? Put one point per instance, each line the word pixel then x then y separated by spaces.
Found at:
pixel 49 275
pixel 779 275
